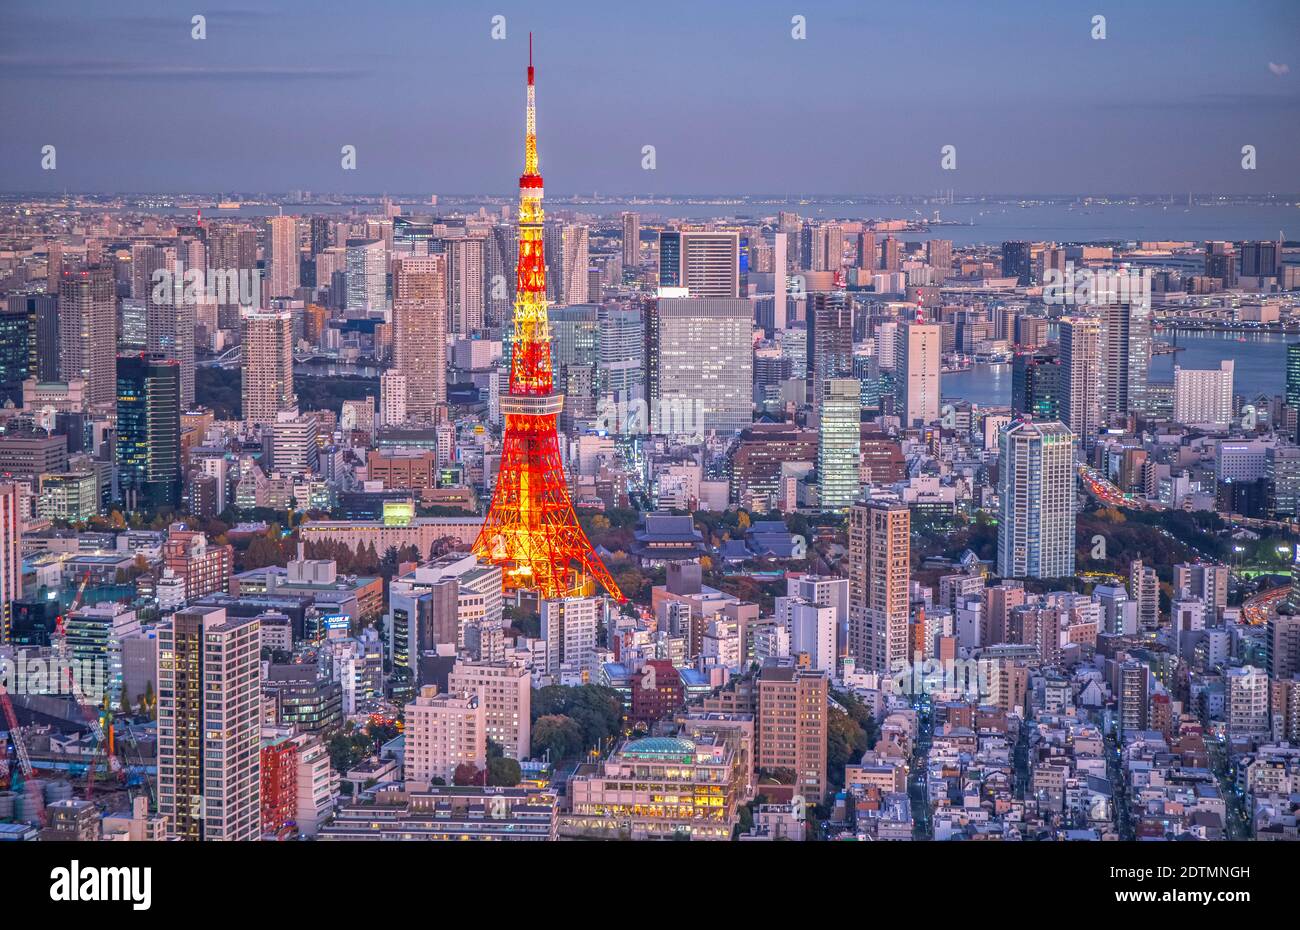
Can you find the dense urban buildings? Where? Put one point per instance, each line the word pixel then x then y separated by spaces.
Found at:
pixel 377 511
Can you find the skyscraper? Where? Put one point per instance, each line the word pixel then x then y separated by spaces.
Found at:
pixel 1016 261
pixel 839 447
pixel 867 252
pixel 1081 378
pixel 209 725
pixel 232 256
pixel 631 241
pixel 148 432
pixel 16 337
pixel 880 558
pixel 938 255
pixel 1203 396
pixel 568 259
pixel 1126 357
pixel 367 271
pixel 465 283
pixel 699 361
pixel 11 556
pixel 169 326
pixel 88 330
pixel 891 255
pixel 830 341
pixel 1036 385
pixel 282 255
pixel 267 370
pixel 918 351
pixel 705 262
pixel 1036 500
pixel 420 331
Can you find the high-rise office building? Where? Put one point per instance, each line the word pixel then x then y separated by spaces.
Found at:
pixel 569 628
pixel 443 732
pixel 88 330
pixel 282 255
pixel 839 447
pixel 209 725
pixel 267 370
pixel 367 275
pixel 1144 590
pixel 880 559
pixel 501 249
pixel 918 354
pixel 1221 262
pixel 392 396
pixel 867 252
pixel 1203 396
pixel 631 241
pixel 568 259
pixel 505 693
pixel 938 255
pixel 891 254
pixel 1036 499
pixel 821 246
pixel 620 354
pixel 232 258
pixel 465 275
pixel 42 337
pixel 420 332
pixel 790 727
pixel 706 263
pixel 11 556
pixel 320 235
pixel 1292 391
pixel 1261 259
pixel 148 432
pixel 1125 358
pixel 1081 385
pixel 700 361
pixel 16 337
pixel 1016 261
pixel 170 315
pixel 1036 385
pixel 830 341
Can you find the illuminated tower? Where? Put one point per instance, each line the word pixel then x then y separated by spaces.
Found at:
pixel 531 529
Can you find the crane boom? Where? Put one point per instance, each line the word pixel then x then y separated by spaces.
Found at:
pixel 15 733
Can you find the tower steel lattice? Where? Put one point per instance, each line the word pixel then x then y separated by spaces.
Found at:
pixel 531 529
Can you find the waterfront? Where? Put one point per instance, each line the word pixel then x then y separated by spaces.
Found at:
pixel 989 222
pixel 1260 366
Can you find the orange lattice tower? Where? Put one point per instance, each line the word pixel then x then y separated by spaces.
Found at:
pixel 531 530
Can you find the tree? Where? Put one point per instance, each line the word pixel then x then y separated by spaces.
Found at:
pixel 503 772
pixel 467 773
pixel 558 735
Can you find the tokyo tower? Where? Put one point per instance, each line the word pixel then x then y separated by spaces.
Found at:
pixel 531 530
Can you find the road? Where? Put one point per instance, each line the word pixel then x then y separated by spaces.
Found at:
pixel 918 774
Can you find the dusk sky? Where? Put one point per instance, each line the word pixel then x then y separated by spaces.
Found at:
pixel 731 102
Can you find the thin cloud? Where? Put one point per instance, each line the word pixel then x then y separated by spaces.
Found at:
pixel 14 67
pixel 1279 70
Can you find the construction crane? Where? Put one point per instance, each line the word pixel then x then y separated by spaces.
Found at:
pixel 60 631
pixel 103 743
pixel 15 735
pixel 30 785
